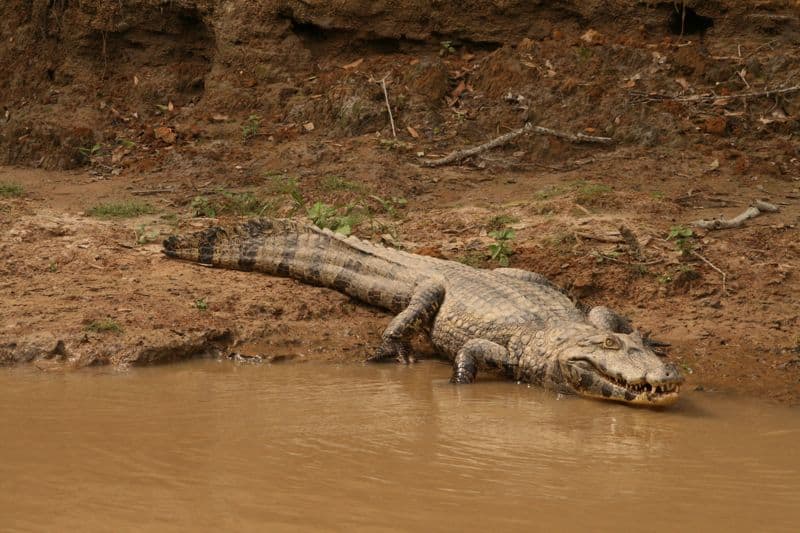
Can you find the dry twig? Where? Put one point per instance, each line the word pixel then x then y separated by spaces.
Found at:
pixel 712 265
pixel 388 107
pixel 711 97
pixel 459 155
pixel 753 211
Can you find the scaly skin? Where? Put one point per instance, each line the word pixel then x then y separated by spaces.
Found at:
pixel 509 319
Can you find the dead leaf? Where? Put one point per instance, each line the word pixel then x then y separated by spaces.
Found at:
pixel 118 153
pixel 592 37
pixel 308 126
pixel 720 102
pixel 714 164
pixel 135 81
pixel 170 107
pixel 165 134
pixel 683 83
pixel 412 132
pixel 353 65
pixel 460 88
pixel 220 118
pixel 630 84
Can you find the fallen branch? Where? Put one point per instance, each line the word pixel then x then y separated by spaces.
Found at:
pixel 459 155
pixel 753 211
pixel 707 97
pixel 712 265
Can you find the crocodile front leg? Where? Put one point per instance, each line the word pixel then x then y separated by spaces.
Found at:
pixel 419 313
pixel 475 351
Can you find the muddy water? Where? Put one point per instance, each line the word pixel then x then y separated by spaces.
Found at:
pixel 206 445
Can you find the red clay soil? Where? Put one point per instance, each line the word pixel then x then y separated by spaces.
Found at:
pixel 123 122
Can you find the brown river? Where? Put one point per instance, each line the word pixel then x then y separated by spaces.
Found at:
pixel 209 446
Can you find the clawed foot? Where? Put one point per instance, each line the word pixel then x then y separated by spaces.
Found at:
pixel 393 349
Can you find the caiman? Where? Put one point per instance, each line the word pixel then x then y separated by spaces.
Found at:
pixel 507 319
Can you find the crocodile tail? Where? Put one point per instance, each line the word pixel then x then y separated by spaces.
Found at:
pixel 370 273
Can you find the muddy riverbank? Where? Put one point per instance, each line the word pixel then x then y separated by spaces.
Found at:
pixel 124 122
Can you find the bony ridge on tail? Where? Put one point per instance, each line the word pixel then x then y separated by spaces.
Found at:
pixel 506 319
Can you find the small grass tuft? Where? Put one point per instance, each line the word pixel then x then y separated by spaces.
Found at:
pixel 338 183
pixel 231 203
pixel 129 209
pixel 587 193
pixel 104 326
pixel 10 190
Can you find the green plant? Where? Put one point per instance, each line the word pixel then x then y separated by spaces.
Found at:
pixel 201 304
pixel 500 250
pixel 126 143
pixel 664 278
pixel 88 152
pixel 251 127
pixel 684 239
pixel 10 190
pixel 327 216
pixel 391 205
pixel 52 267
pixel 128 209
pixel 446 47
pixel 104 326
pixel 143 236
pixel 202 207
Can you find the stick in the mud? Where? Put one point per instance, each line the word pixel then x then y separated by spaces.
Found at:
pixel 715 267
pixel 753 211
pixel 388 107
pixel 458 155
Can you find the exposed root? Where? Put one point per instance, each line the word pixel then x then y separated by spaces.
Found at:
pixel 758 207
pixel 459 155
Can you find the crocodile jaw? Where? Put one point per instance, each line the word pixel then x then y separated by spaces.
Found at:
pixel 589 381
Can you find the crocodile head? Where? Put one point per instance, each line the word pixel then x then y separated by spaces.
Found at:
pixel 619 367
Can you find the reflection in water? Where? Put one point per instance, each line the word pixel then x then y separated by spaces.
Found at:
pixel 209 445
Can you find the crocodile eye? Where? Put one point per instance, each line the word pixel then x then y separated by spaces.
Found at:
pixel 611 343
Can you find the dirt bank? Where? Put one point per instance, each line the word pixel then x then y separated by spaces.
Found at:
pixel 131 120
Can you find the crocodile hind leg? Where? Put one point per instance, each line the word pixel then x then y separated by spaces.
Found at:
pixel 419 313
pixel 469 357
